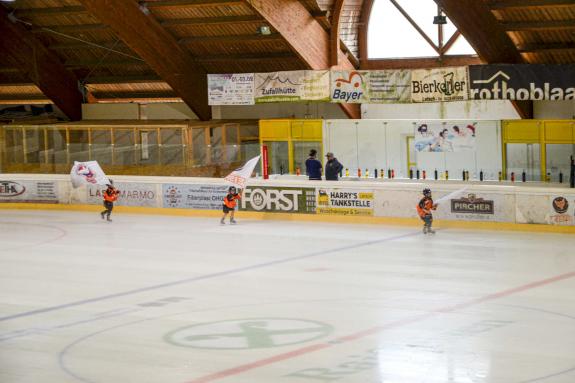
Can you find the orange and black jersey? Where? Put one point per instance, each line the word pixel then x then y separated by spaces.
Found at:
pixel 111 194
pixel 230 200
pixel 424 206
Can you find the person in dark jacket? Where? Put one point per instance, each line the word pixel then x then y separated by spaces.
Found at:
pixel 313 166
pixel 332 168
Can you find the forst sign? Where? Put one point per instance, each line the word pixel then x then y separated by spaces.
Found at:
pixel 282 200
pixel 522 82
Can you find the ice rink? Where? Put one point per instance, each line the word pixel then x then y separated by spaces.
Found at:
pixel 185 300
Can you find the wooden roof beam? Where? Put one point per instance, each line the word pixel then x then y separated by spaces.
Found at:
pixel 199 59
pixel 421 62
pixel 335 45
pixel 366 8
pixel 487 36
pixel 504 4
pixel 539 25
pixel 546 47
pixel 229 38
pixel 190 3
pixel 145 36
pixel 305 36
pixel 41 66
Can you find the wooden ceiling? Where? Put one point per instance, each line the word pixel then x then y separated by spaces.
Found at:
pixel 220 36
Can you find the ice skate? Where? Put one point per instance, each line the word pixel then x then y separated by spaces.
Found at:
pixel 424 229
pixel 109 219
pixel 222 222
pixel 102 214
pixel 430 231
pixel 233 221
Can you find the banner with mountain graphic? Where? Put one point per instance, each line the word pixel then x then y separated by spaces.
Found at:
pixel 292 86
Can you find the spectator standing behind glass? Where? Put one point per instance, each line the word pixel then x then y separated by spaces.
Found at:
pixel 332 168
pixel 313 166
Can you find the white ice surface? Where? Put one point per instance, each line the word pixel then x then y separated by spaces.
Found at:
pixel 185 300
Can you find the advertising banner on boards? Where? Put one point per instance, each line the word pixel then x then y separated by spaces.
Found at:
pixel 441 137
pixel 28 191
pixel 231 89
pixel 131 194
pixel 345 202
pixel 190 196
pixel 522 82
pixel 562 211
pixel 279 199
pixel 439 84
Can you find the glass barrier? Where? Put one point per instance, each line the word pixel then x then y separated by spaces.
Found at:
pixel 211 150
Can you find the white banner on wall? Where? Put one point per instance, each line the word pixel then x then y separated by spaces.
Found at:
pixel 131 194
pixel 279 86
pixel 28 191
pixel 437 136
pixel 345 202
pixel 189 196
pixel 439 84
pixel 231 89
pixel 389 86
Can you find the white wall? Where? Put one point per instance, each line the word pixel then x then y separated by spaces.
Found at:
pixel 278 110
pixel 382 144
pixel 554 109
pixel 480 109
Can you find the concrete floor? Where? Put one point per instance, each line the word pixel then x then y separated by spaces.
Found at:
pixel 185 300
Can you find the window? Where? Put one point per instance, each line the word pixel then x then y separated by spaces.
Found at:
pixel 393 35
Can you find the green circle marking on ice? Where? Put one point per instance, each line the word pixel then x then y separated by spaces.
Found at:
pixel 243 334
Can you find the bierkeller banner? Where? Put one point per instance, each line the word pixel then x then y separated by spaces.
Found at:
pixel 439 84
pixel 522 82
pixel 231 89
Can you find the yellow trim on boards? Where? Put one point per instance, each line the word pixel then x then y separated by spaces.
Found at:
pixel 394 221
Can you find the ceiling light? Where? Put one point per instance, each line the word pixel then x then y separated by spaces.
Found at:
pixel 264 30
pixel 440 20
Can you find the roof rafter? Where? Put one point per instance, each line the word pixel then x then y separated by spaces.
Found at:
pixel 41 66
pixel 539 25
pixel 145 36
pixel 486 35
pixel 504 4
pixel 335 45
pixel 546 47
pixel 294 22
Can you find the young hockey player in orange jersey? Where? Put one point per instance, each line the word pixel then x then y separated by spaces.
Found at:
pixel 424 208
pixel 229 205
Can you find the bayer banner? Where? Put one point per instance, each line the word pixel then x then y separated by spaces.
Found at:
pixel 522 82
pixel 349 87
pixel 439 84
pixel 279 199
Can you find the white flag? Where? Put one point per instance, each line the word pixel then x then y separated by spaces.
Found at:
pixel 87 173
pixel 241 174
pixel 452 195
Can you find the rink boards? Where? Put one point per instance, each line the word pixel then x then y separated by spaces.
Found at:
pixel 351 201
